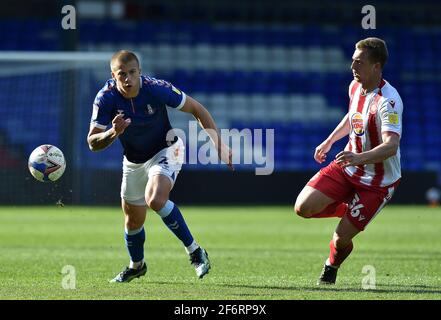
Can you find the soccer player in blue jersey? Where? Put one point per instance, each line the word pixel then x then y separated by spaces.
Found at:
pixel 135 107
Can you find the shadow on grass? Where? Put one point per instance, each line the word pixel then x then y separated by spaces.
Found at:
pixel 415 289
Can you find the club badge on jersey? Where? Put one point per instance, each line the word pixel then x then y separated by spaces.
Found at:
pixel 150 110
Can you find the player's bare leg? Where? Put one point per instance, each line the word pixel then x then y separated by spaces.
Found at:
pixel 158 191
pixel 157 198
pixel 134 218
pixel 340 247
pixel 312 203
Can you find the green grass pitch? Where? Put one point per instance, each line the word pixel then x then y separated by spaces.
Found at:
pixel 256 252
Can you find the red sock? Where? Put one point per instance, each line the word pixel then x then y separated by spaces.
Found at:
pixel 336 209
pixel 336 257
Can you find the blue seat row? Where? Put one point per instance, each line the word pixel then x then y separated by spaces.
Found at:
pixel 43 32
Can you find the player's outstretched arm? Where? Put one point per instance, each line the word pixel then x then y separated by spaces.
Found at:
pixel 99 139
pixel 206 121
pixel 342 130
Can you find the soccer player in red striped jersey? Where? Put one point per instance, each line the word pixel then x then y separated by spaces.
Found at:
pixel 362 178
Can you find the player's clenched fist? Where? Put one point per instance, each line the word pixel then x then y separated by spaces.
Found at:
pixel 348 158
pixel 120 124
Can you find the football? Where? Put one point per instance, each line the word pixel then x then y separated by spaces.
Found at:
pixel 46 163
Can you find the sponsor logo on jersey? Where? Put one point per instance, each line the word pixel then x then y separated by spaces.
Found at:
pixel 392 103
pixel 357 124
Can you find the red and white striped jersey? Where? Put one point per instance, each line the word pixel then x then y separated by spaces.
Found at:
pixel 369 116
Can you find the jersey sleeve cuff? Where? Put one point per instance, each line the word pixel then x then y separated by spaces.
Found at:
pixel 393 132
pixel 184 97
pixel 99 126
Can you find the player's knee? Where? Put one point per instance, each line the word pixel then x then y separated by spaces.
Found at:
pixel 302 210
pixel 133 224
pixel 133 221
pixel 156 203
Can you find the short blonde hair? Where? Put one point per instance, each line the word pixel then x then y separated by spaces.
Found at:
pixel 376 49
pixel 124 57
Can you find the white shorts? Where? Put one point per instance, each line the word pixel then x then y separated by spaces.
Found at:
pixel 167 162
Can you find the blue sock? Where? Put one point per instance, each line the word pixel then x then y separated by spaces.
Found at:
pixel 174 220
pixel 135 243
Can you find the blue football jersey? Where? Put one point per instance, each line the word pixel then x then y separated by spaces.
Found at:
pixel 146 135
